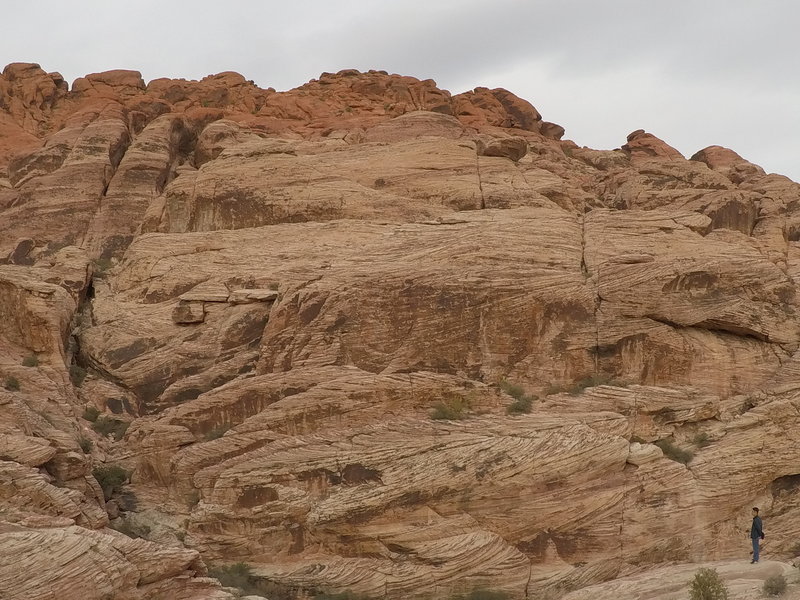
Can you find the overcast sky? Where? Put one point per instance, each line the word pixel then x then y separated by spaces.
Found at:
pixel 693 72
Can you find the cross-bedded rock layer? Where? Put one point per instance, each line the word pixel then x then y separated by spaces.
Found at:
pixel 279 290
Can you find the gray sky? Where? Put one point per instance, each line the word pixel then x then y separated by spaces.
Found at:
pixel 693 72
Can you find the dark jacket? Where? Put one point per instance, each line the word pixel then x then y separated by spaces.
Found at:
pixel 757 529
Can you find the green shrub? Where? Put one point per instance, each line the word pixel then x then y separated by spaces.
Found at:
pixel 90 413
pixel 30 361
pixel 522 401
pixel 107 425
pixel 775 585
pixel 111 478
pixel 593 381
pixel 11 383
pixel 452 408
pixel 576 388
pixel 517 392
pixel 193 499
pixel 76 375
pixel 521 406
pixel 701 440
pixel 674 452
pixel 86 444
pixel 707 585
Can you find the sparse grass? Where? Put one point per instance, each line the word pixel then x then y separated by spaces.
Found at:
pixel 522 401
pixel 216 433
pixel 515 391
pixel 775 585
pixel 701 439
pixel 707 585
pixel 521 406
pixel 111 478
pixel 76 375
pixel 90 413
pixel 579 386
pixel 451 408
pixel 673 452
pixel 86 444
pixel 11 383
pixel 30 361
pixel 107 425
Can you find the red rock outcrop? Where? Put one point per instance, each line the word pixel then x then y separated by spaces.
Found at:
pixel 306 328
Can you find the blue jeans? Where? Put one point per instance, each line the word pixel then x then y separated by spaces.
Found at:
pixel 755 549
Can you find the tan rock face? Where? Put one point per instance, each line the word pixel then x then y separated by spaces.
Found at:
pixel 282 329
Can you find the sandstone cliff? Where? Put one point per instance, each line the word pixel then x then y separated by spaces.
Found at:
pixel 369 336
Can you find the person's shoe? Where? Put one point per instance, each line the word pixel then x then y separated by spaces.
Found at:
pixel 753 562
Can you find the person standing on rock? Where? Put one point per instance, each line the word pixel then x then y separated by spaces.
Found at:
pixel 756 534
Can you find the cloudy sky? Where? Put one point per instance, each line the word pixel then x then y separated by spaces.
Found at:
pixel 693 72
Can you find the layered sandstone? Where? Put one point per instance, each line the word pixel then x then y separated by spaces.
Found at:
pixel 278 290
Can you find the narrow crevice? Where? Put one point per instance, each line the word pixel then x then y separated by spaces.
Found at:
pixel 714 327
pixel 597 300
pixel 480 183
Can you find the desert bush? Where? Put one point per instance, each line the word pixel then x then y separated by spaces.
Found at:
pixel 30 361
pixel 579 386
pixel 795 549
pixel 515 391
pixel 86 444
pixel 452 408
pixel 707 585
pixel 521 406
pixel 701 440
pixel 11 383
pixel 775 585
pixel 76 375
pixel 674 452
pixel 108 425
pixel 111 478
pixel 522 401
pixel 90 413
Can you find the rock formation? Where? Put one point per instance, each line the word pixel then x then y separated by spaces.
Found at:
pixel 368 336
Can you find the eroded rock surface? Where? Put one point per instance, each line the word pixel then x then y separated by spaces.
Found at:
pixel 291 320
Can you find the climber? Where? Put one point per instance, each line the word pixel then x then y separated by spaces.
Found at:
pixel 756 534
